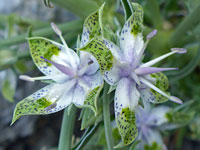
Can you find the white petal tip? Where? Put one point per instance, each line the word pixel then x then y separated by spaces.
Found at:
pixel 151 34
pixel 179 50
pixel 56 29
pixel 26 78
pixel 176 100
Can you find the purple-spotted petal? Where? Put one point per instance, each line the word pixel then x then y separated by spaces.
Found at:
pixel 126 99
pixel 131 39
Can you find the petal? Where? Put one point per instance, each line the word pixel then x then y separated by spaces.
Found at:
pixel 92 26
pixel 49 99
pixel 112 76
pixel 99 50
pixel 131 39
pixel 153 96
pixel 126 98
pixel 86 58
pixel 93 80
pixel 159 115
pixel 87 98
pixel 87 91
pixel 153 139
pixel 158 92
pixel 41 47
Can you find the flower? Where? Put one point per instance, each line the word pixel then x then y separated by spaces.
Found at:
pixel 73 79
pixel 149 121
pixel 122 67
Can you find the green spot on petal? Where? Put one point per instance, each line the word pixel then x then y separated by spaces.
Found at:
pixel 126 123
pixel 42 47
pixel 29 106
pixel 43 103
pixel 136 20
pixel 153 146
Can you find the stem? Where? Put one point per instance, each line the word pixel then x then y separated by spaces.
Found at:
pixel 67 129
pixel 81 8
pixel 106 117
pixel 187 24
pixel 65 27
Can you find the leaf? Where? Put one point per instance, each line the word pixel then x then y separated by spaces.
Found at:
pixel 179 117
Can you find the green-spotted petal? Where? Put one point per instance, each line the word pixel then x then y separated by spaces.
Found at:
pixel 161 82
pixel 131 39
pixel 42 47
pixel 126 123
pixel 126 99
pixel 99 49
pixel 47 100
pixel 91 98
pixel 92 26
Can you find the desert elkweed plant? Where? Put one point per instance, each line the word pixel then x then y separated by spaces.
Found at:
pixel 133 79
pixel 77 78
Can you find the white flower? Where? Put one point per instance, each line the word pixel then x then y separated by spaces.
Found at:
pixel 74 79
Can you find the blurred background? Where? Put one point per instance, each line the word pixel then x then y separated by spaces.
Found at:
pixel 178 25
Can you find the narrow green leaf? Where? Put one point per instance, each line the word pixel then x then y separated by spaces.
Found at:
pixel 127 8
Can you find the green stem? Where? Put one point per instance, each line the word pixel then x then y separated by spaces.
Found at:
pixel 67 129
pixel 81 8
pixel 187 24
pixel 106 117
pixel 65 27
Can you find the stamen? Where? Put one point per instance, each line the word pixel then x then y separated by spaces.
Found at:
pixel 135 78
pixel 148 38
pixel 150 70
pixel 32 79
pixel 59 33
pixel 83 70
pixel 154 61
pixel 26 78
pixel 172 98
pixel 151 34
pixel 64 69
